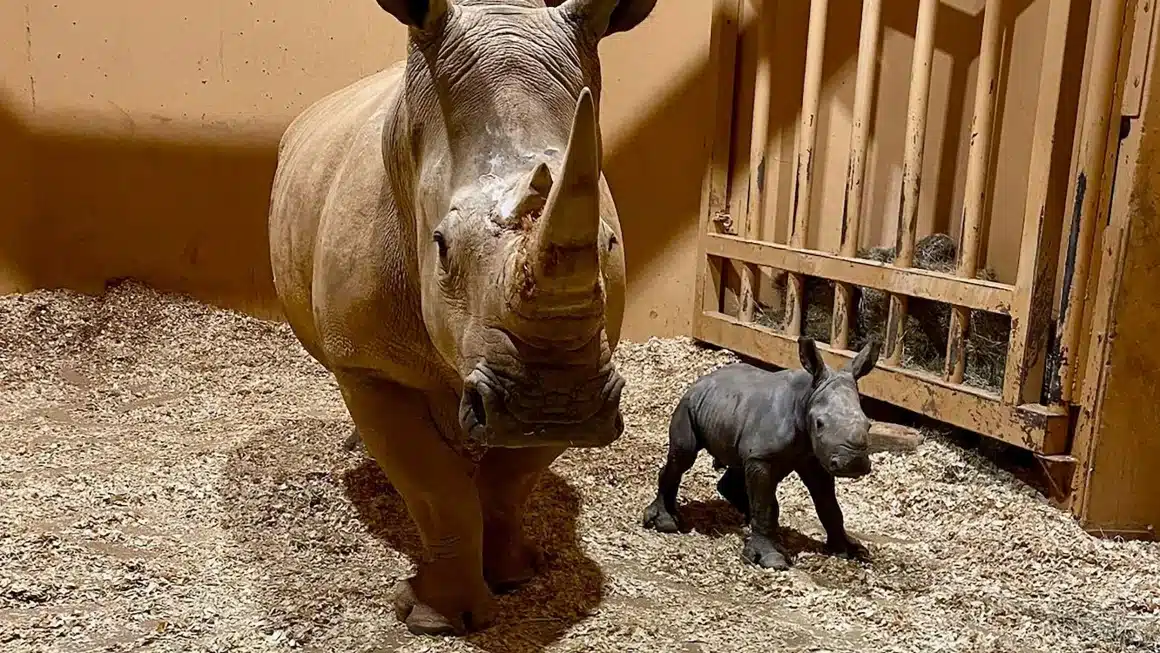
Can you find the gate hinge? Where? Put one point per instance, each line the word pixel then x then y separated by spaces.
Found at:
pixel 725 220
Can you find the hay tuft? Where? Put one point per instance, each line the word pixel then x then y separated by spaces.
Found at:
pixel 172 479
pixel 928 322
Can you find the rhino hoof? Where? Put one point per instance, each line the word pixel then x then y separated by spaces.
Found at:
pixel 422 619
pixel 850 550
pixel 514 571
pixel 659 519
pixel 764 553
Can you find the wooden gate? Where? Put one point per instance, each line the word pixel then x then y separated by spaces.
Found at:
pixel 1068 141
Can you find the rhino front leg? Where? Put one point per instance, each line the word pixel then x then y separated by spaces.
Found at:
pixel 763 547
pixel 505 479
pixel 661 514
pixel 448 594
pixel 820 484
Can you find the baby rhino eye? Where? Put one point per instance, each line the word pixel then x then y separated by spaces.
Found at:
pixel 818 424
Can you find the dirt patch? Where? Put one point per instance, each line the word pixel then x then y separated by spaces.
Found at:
pixel 172 477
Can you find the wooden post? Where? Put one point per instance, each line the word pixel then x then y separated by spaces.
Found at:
pixel 975 198
pixel 1042 214
pixel 911 170
pixel 856 168
pixel 751 224
pixel 1093 155
pixel 715 185
pixel 811 95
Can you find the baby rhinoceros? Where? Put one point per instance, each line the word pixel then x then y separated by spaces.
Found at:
pixel 759 426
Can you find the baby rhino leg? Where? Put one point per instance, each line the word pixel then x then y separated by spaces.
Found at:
pixel 820 484
pixel 661 514
pixel 763 547
pixel 731 486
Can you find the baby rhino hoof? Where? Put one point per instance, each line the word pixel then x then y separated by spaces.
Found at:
pixel 850 550
pixel 422 619
pixel 658 518
pixel 763 553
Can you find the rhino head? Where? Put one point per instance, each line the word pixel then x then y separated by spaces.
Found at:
pixel 518 240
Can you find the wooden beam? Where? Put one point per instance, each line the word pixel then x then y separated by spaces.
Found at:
pixel 1097 136
pixel 885 436
pixel 974 293
pixel 715 184
pixel 917 106
pixel 1042 216
pixel 1030 426
pixel 975 196
pixel 804 172
pixel 856 165
pixel 754 218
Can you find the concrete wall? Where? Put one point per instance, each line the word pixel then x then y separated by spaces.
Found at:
pixel 143 139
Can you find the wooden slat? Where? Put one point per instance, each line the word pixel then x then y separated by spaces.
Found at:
pixel 804 173
pixel 751 222
pixel 1095 137
pixel 1042 220
pixel 856 167
pixel 917 106
pixel 975 195
pixel 1031 427
pixel 715 184
pixel 974 293
pixel 1124 208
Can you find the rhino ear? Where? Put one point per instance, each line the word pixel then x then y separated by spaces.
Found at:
pixel 864 362
pixel 608 16
pixel 418 14
pixel 811 358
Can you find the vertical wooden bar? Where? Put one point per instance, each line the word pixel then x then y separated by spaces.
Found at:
pixel 1094 151
pixel 811 95
pixel 911 169
pixel 856 168
pixel 755 213
pixel 715 185
pixel 975 198
pixel 1042 213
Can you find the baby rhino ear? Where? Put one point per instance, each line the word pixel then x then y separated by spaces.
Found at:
pixel 811 358
pixel 864 362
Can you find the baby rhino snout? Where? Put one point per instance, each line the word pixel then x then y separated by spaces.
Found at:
pixel 850 464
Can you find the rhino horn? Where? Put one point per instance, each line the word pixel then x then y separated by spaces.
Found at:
pixel 563 252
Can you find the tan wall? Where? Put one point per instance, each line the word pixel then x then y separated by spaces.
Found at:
pixel 154 129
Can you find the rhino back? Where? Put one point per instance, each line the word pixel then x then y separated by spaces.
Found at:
pixel 342 252
pixel 740 410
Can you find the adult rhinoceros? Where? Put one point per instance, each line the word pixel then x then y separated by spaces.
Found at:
pixel 444 242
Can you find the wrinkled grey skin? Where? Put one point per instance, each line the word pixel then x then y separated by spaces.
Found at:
pixel 443 240
pixel 759 426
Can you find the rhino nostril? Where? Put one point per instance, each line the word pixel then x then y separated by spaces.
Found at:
pixel 478 410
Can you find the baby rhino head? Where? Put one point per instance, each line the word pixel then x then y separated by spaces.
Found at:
pixel 834 419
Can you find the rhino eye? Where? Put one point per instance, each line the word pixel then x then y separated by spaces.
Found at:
pixel 441 244
pixel 818 424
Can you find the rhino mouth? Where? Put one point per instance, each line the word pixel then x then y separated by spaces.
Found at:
pixel 850 463
pixel 487 415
